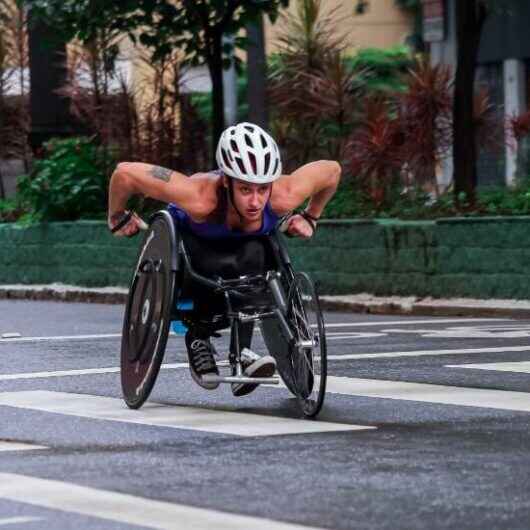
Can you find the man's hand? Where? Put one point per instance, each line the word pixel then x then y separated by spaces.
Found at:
pixel 131 227
pixel 298 226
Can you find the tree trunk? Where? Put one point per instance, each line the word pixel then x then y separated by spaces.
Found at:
pixel 215 66
pixel 470 16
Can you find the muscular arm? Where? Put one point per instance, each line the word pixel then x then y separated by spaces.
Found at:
pixel 316 181
pixel 136 178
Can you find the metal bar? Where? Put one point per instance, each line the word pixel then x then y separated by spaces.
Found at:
pixel 275 380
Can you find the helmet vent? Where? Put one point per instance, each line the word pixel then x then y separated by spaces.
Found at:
pixel 225 158
pixel 249 128
pixel 233 145
pixel 267 163
pixel 241 166
pixel 276 165
pixel 248 140
pixel 252 158
pixel 263 141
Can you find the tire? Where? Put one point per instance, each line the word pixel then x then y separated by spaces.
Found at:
pixel 305 320
pixel 309 364
pixel 148 311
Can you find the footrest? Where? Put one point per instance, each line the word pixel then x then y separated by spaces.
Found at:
pixel 275 380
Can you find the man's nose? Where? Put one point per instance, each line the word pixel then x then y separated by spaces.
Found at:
pixel 254 199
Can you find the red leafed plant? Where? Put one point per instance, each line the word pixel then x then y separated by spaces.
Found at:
pixel 489 133
pixel 518 127
pixel 425 113
pixel 376 151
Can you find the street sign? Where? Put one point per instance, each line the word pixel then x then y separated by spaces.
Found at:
pixel 433 20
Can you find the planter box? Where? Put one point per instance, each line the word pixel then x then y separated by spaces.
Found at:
pixel 478 257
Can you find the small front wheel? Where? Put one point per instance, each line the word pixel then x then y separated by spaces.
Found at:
pixel 308 351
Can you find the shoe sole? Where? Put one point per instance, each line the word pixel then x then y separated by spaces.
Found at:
pixel 201 383
pixel 266 369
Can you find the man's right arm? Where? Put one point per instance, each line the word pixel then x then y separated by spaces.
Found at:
pixel 137 178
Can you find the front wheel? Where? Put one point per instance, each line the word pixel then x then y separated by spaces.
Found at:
pixel 308 350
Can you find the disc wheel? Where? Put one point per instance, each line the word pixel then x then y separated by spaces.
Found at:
pixel 147 315
pixel 308 352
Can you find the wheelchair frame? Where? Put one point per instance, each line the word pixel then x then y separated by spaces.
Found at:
pixel 151 265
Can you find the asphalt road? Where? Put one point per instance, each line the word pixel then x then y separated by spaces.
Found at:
pixel 426 425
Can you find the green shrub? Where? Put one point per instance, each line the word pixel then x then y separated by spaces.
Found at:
pixel 69 183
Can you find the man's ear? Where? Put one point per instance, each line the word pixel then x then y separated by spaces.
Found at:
pixel 225 181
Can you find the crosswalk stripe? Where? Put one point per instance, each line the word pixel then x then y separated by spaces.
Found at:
pixel 419 353
pixel 429 393
pixel 83 371
pixel 19 520
pixel 519 366
pixel 160 415
pixel 19 446
pixel 124 508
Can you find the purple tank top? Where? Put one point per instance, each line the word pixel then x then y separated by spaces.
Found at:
pixel 217 231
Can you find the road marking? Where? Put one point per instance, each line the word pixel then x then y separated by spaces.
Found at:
pixel 62 337
pixel 413 322
pixel 506 331
pixel 174 416
pixel 331 325
pixel 519 366
pixel 345 357
pixel 428 393
pixel 17 520
pixel 19 446
pixel 419 353
pixel 124 508
pixel 85 371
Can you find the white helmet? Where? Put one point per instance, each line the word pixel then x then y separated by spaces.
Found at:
pixel 246 152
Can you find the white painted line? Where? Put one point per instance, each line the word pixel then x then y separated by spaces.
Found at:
pixel 61 338
pixel 85 371
pixel 18 446
pixel 19 520
pixel 331 325
pixel 176 417
pixel 427 393
pixel 419 353
pixel 520 366
pixel 345 357
pixel 128 509
pixel 413 322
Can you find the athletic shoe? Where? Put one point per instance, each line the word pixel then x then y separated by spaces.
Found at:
pixel 253 366
pixel 201 356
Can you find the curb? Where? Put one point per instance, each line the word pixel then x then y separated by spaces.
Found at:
pixel 359 303
pixel 465 307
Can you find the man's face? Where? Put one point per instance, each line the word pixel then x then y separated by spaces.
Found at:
pixel 250 199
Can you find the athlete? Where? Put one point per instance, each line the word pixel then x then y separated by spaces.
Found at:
pixel 245 196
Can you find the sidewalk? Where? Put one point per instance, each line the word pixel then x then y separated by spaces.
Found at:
pixel 357 303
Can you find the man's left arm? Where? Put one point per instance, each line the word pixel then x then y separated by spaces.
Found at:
pixel 316 181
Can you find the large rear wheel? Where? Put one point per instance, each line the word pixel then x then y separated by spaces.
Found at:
pixel 147 315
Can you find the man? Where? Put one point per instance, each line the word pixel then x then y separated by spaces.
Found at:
pixel 246 196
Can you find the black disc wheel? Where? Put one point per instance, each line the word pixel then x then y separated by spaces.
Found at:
pixel 308 349
pixel 147 315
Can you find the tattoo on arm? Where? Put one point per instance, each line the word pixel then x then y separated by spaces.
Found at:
pixel 161 173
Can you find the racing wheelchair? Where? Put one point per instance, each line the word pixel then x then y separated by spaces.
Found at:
pixel 240 290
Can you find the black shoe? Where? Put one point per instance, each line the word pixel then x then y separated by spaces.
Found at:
pixel 253 366
pixel 201 356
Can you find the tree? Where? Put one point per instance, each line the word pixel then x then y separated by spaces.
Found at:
pixel 470 18
pixel 194 26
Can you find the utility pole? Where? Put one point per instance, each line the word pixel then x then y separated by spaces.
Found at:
pixel 257 74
